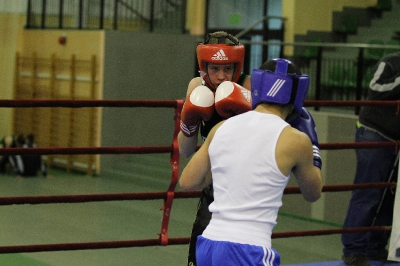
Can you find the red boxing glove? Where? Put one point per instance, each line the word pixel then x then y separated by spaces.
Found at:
pixel 231 99
pixel 199 105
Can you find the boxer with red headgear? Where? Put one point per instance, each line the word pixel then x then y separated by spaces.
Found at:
pixel 222 90
pixel 220 51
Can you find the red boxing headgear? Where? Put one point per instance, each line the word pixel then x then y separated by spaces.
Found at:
pixel 220 48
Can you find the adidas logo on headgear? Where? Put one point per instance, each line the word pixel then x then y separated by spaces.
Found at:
pixel 276 87
pixel 220 55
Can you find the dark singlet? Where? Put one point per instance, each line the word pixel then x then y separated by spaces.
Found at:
pixel 206 126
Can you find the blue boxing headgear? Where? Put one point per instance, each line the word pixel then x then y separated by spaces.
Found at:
pixel 279 86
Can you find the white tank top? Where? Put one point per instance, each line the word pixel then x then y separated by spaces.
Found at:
pixel 248 185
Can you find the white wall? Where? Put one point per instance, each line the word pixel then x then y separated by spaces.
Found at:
pixel 13 6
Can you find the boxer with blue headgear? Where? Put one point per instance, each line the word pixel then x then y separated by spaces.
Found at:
pixel 279 86
pixel 278 81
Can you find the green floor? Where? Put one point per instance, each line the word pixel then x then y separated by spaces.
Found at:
pixel 122 220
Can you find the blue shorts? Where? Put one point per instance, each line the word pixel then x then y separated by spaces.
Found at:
pixel 222 253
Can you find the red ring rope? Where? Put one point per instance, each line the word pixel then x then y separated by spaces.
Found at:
pixel 88 150
pixel 171 241
pixel 350 103
pixel 163 195
pixel 88 103
pixel 167 149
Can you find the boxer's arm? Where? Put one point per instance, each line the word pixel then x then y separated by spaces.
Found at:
pixel 197 173
pixel 188 144
pixel 309 177
pixel 307 169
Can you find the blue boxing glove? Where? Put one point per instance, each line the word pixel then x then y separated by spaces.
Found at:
pixel 305 123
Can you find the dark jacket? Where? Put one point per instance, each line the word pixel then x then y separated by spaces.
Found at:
pixel 384 86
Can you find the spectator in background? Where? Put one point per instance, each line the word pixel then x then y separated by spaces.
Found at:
pixel 376 124
pixel 30 141
pixel 20 141
pixel 7 142
pixel 28 165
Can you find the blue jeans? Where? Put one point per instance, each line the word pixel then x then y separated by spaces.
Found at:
pixel 373 165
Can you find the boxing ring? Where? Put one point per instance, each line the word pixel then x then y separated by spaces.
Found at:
pixel 170 194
